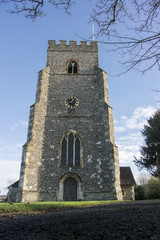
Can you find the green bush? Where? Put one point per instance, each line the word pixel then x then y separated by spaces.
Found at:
pixel 139 192
pixel 153 189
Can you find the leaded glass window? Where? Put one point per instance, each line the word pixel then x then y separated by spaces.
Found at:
pixel 63 155
pixel 70 150
pixel 72 67
pixel 77 152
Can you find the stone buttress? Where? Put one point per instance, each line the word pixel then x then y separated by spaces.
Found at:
pixel 70 153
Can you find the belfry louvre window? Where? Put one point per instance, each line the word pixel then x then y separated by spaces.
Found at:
pixel 70 150
pixel 72 67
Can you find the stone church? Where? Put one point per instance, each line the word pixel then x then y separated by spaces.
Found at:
pixel 70 153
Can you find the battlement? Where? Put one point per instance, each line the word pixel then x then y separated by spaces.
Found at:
pixel 72 46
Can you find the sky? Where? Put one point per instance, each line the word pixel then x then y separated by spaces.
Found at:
pixel 23 53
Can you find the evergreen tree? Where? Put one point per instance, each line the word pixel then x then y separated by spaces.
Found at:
pixel 150 151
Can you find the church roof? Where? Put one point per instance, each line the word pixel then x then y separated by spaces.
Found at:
pixel 126 176
pixel 14 185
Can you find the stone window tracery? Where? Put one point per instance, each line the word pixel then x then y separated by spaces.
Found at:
pixel 72 67
pixel 70 150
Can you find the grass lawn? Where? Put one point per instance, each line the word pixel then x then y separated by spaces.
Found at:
pixel 36 207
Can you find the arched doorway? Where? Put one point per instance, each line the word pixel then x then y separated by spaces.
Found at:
pixel 70 189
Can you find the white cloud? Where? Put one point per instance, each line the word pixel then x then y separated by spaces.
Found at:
pixel 123 117
pixel 131 137
pixel 125 157
pixel 116 121
pixel 14 126
pixel 10 152
pixel 21 123
pixel 10 159
pixel 132 148
pixel 9 172
pixel 144 112
pixel 128 135
pixel 136 121
pixel 119 129
pixel 128 149
pixel 24 123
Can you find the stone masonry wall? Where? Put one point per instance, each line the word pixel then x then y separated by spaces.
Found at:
pixel 32 155
pixel 42 176
pixel 128 192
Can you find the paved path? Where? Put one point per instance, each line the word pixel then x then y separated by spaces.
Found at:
pixel 126 221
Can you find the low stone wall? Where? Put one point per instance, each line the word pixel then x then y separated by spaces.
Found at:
pixel 12 194
pixel 128 193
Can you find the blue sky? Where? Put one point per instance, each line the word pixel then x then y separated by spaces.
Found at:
pixel 23 52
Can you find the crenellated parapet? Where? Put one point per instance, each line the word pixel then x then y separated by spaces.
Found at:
pixel 62 45
pixel 85 54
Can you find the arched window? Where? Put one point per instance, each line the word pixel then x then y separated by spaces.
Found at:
pixel 72 67
pixel 71 150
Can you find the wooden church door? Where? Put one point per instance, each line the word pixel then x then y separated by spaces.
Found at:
pixel 70 189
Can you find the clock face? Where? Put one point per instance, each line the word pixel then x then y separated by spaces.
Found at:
pixel 71 102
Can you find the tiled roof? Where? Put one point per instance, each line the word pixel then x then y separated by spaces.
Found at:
pixel 14 185
pixel 126 176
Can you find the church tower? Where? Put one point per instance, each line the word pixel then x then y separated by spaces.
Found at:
pixel 70 153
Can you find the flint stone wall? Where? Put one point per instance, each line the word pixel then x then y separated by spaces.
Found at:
pixel 41 174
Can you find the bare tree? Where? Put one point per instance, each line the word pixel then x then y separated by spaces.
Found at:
pixel 34 8
pixel 140 21
pixel 131 27
pixel 143 178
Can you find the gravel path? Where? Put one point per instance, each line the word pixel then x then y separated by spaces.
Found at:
pixel 126 221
